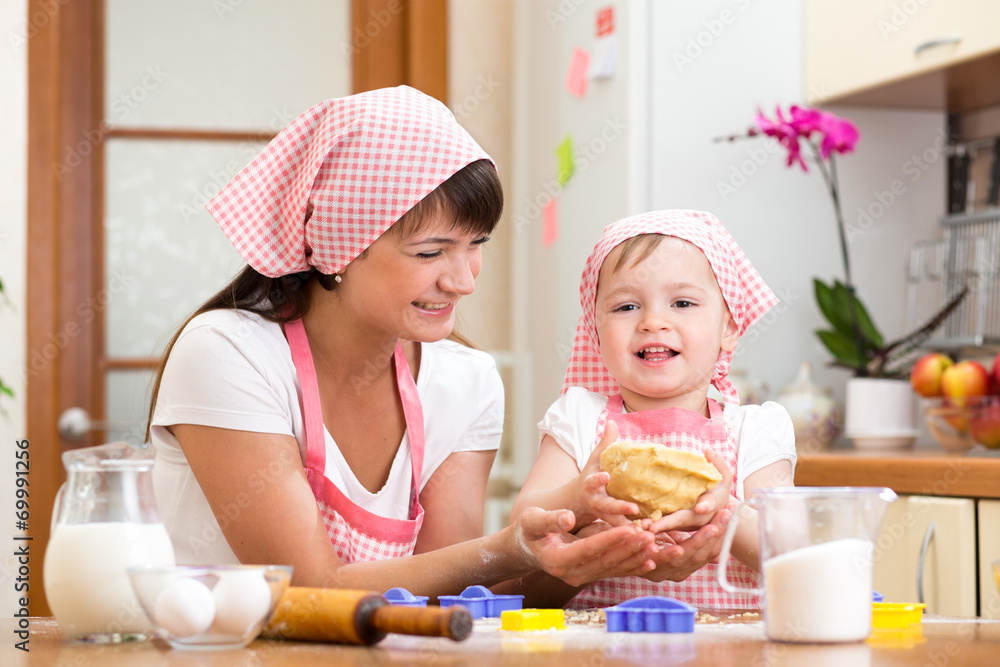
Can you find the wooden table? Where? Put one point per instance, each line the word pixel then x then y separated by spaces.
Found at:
pixel 924 471
pixel 935 643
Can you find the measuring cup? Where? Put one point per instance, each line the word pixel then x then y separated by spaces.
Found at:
pixel 815 548
pixel 104 520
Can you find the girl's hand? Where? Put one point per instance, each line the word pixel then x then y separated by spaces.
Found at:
pixel 708 505
pixel 598 552
pixel 681 556
pixel 594 501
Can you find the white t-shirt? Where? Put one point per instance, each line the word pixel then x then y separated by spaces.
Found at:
pixel 233 369
pixel 763 433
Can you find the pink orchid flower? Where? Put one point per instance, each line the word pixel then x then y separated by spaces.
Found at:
pixel 787 134
pixel 806 120
pixel 839 134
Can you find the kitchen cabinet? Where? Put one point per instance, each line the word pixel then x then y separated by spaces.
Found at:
pixel 910 53
pixel 988 518
pixel 927 551
pixel 958 492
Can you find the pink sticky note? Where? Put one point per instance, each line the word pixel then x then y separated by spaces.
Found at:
pixel 576 77
pixel 605 21
pixel 550 223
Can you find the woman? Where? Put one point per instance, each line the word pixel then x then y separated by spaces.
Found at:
pixel 312 413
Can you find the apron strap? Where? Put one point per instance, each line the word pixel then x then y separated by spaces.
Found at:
pixel 312 410
pixel 413 413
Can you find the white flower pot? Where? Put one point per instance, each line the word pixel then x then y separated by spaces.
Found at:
pixel 880 413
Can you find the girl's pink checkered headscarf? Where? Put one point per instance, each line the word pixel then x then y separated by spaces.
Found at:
pixel 359 162
pixel 742 287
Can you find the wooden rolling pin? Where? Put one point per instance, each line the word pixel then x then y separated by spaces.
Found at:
pixel 359 617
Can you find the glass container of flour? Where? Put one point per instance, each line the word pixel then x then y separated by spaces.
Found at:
pixel 816 547
pixel 104 521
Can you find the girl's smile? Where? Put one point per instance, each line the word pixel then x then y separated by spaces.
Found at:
pixel 654 353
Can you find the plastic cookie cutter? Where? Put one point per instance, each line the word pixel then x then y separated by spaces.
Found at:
pixel 896 614
pixel 521 620
pixel 482 602
pixel 877 597
pixel 404 598
pixel 651 614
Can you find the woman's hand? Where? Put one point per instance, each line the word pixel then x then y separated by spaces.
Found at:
pixel 599 551
pixel 681 555
pixel 708 505
pixel 594 500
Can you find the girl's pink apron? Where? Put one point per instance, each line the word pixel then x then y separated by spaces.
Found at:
pixel 356 533
pixel 691 432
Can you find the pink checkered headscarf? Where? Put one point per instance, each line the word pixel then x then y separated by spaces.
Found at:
pixel 742 288
pixel 359 162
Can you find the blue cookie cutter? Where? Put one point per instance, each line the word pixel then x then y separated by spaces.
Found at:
pixel 651 614
pixel 404 598
pixel 482 602
pixel 877 597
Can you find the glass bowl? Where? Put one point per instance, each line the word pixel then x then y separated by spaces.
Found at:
pixel 961 427
pixel 210 606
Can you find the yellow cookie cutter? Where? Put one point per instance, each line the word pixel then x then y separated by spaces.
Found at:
pixel 521 620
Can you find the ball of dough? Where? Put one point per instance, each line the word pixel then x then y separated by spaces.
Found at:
pixel 657 478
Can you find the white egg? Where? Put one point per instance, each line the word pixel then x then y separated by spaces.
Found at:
pixel 184 608
pixel 242 598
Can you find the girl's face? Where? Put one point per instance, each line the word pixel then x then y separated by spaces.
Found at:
pixel 407 286
pixel 661 324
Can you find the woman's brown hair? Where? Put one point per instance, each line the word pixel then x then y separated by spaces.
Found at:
pixel 472 197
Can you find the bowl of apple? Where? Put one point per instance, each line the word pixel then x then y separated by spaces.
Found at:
pixel 960 401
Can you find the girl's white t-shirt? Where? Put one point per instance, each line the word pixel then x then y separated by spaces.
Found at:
pixel 763 433
pixel 233 369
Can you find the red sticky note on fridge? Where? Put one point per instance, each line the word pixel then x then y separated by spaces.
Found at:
pixel 550 223
pixel 605 20
pixel 576 77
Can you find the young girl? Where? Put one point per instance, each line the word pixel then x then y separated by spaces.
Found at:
pixel 665 297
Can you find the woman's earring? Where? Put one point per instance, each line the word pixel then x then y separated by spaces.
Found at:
pixel 337 278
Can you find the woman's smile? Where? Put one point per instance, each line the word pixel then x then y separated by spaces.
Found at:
pixel 435 308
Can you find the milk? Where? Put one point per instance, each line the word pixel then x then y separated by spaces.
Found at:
pixel 86 584
pixel 820 593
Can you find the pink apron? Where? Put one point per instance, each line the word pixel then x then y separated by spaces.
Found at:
pixel 688 431
pixel 356 533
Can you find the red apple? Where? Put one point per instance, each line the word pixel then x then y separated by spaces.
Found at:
pixel 964 379
pixel 984 424
pixel 926 374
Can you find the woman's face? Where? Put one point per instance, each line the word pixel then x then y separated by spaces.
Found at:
pixel 407 285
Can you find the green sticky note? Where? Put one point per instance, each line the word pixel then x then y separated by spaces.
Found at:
pixel 565 154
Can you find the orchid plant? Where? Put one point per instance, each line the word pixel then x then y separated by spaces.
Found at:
pixel 852 338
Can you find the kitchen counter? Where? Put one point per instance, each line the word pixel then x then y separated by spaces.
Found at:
pixel 956 643
pixel 924 471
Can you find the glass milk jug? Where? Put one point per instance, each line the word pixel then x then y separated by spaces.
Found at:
pixel 103 521
pixel 816 549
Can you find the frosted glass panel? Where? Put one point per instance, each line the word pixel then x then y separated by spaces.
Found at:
pixel 127 402
pixel 164 254
pixel 236 64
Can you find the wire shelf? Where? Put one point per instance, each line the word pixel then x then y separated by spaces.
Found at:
pixel 968 254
